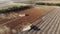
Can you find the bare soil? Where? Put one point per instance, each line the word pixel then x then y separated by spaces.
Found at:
pixel 33 14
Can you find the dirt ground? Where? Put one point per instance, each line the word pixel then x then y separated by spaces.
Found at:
pixel 33 14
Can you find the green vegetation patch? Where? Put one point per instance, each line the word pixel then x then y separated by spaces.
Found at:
pixel 14 9
pixel 50 4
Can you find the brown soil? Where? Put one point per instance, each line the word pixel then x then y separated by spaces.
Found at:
pixel 33 14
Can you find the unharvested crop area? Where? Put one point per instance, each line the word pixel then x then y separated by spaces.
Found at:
pixel 17 24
